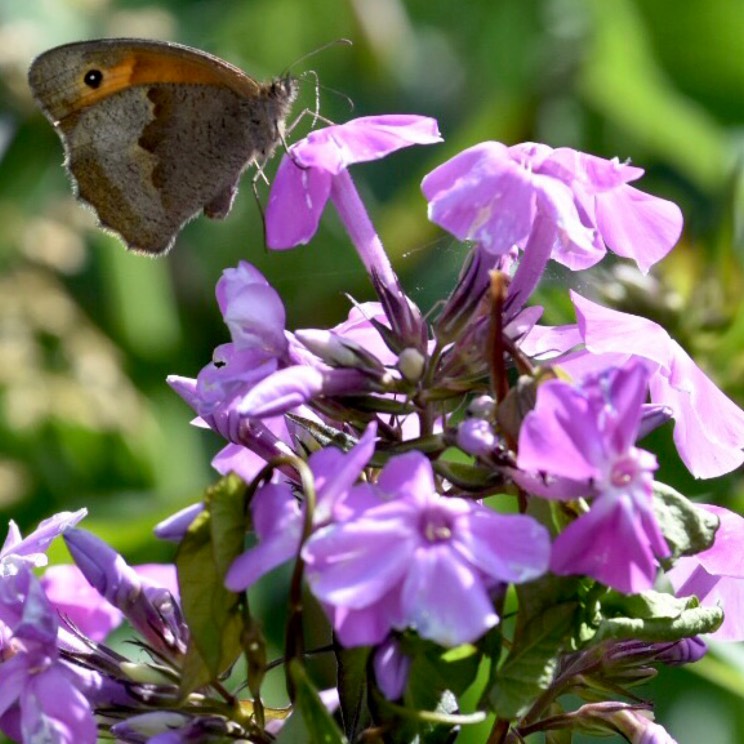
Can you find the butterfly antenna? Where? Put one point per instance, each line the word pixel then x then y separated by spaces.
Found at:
pixel 312 52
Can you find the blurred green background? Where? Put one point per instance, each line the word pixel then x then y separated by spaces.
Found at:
pixel 88 333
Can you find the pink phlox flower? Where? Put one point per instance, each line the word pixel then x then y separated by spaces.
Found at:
pixel 709 426
pixel 587 434
pixel 303 181
pixel 419 560
pixel 359 330
pixel 492 194
pixel 77 601
pixel 716 576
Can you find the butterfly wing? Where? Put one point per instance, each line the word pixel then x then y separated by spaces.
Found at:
pixel 154 133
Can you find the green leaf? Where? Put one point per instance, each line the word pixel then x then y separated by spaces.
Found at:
pixel 311 722
pixel 688 528
pixel 435 670
pixel 653 616
pixel 211 611
pixel 538 596
pixel 529 668
pixel 647 605
pixel 436 679
pixel 225 501
pixel 353 689
pixel 469 477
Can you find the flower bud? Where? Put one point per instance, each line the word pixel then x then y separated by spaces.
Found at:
pixel 411 363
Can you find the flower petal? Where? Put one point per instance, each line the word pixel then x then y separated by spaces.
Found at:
pixel 252 309
pixel 298 197
pixel 559 436
pixel 638 225
pixel 709 426
pixel 52 704
pixel 355 563
pixel 277 520
pixel 281 391
pixel 491 199
pixel 367 626
pixel 408 475
pixel 336 471
pixel 508 548
pixel 444 599
pixel 75 599
pixel 334 148
pixel 608 543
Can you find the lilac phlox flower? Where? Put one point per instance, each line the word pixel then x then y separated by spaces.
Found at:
pixel 492 194
pixel 231 373
pixel 39 695
pixel 354 363
pixel 252 310
pixel 588 433
pixel 633 721
pixel 77 601
pixel 280 434
pixel 709 426
pixel 391 667
pixel 255 316
pixel 716 576
pixel 30 550
pixel 278 518
pixel 172 727
pixel 358 331
pixel 149 606
pixel 304 180
pixel 297 385
pixel 315 171
pixel 174 528
pixel 419 560
pixel 256 441
pixel 476 437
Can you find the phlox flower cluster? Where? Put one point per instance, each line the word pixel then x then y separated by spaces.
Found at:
pixel 439 481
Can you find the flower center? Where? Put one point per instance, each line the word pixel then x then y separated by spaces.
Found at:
pixel 624 472
pixel 436 526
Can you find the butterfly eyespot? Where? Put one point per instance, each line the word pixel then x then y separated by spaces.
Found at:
pixel 93 78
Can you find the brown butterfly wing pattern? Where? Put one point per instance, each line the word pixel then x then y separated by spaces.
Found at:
pixel 154 133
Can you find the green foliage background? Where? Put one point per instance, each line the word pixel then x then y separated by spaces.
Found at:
pixel 88 333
